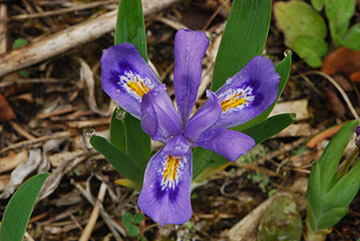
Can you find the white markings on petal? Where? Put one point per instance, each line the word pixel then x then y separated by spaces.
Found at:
pixel 171 171
pixel 134 84
pixel 236 99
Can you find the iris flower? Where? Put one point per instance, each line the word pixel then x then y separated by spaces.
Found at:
pixel 130 81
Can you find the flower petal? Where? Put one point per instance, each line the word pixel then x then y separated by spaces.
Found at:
pixel 190 47
pixel 205 117
pixel 159 118
pixel 178 146
pixel 228 143
pixel 250 92
pixel 165 196
pixel 126 77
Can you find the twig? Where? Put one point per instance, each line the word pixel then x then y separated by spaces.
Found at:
pixel 94 215
pixel 9 82
pixel 62 11
pixel 3 28
pixel 69 38
pixel 338 87
pixel 113 226
pixel 37 140
pixel 21 131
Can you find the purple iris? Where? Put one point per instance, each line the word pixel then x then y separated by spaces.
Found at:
pixel 129 80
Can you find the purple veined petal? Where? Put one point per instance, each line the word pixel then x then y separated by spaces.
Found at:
pixel 205 117
pixel 228 143
pixel 250 92
pixel 177 146
pixel 165 196
pixel 159 118
pixel 190 47
pixel 126 77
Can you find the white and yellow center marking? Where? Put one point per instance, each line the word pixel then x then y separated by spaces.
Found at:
pixel 236 99
pixel 135 85
pixel 171 171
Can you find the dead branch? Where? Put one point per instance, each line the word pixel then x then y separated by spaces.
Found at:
pixel 69 38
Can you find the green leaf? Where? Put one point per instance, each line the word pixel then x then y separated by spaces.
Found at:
pixel 304 30
pixel 117 130
pixel 339 13
pixel 351 39
pixel 298 19
pixel 345 190
pixel 318 4
pixel 201 159
pixel 314 193
pixel 331 218
pixel 24 73
pixel 310 49
pixel 19 209
pixel 138 217
pixel 20 42
pixel 118 159
pixel 283 69
pixel 133 230
pixel 244 37
pixel 269 127
pixel 330 158
pixel 126 219
pixel 138 144
pixel 130 26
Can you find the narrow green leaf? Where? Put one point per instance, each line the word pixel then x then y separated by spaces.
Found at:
pixel 318 4
pixel 351 39
pixel 201 159
pixel 117 130
pixel 19 209
pixel 311 217
pixel 330 158
pixel 344 190
pixel 138 217
pixel 269 127
pixel 138 145
pixel 331 218
pixel 314 192
pixel 244 37
pixel 283 69
pixel 130 26
pixel 118 159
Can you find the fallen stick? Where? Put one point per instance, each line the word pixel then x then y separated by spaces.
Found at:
pixel 69 38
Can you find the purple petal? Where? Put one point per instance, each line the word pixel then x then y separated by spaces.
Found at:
pixel 248 93
pixel 190 47
pixel 165 196
pixel 228 143
pixel 126 77
pixel 159 118
pixel 178 146
pixel 205 117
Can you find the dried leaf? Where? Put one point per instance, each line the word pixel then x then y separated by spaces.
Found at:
pixel 6 112
pixel 21 172
pixel 12 160
pixel 343 60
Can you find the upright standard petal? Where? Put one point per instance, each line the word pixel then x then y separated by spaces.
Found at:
pixel 159 118
pixel 165 196
pixel 126 77
pixel 248 93
pixel 190 47
pixel 205 117
pixel 228 143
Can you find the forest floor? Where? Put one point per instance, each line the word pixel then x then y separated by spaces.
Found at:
pixel 47 108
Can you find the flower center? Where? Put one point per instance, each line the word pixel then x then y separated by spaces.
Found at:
pixel 235 99
pixel 138 87
pixel 172 169
pixel 135 85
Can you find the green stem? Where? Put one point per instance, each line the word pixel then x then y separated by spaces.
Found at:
pixel 319 235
